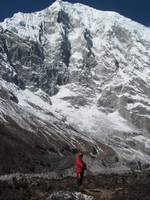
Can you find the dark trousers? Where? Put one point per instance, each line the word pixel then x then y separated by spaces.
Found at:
pixel 80 179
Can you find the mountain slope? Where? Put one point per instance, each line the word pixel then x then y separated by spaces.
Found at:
pixel 85 72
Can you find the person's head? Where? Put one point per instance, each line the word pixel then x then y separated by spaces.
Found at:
pixel 80 155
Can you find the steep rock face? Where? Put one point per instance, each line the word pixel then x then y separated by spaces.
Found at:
pixel 74 43
pixel 95 67
pixel 20 55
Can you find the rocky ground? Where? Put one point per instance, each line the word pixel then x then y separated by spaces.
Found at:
pixel 133 186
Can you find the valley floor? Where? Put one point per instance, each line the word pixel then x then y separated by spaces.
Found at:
pixel 134 186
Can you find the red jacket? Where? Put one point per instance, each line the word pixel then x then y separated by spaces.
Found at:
pixel 80 165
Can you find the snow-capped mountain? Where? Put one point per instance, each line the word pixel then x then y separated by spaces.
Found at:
pixel 73 77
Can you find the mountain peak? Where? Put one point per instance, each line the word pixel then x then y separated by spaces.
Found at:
pixel 57 3
pixel 94 65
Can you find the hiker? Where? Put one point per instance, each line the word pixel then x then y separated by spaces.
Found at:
pixel 80 168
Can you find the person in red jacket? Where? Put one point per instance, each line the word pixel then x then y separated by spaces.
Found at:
pixel 80 168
